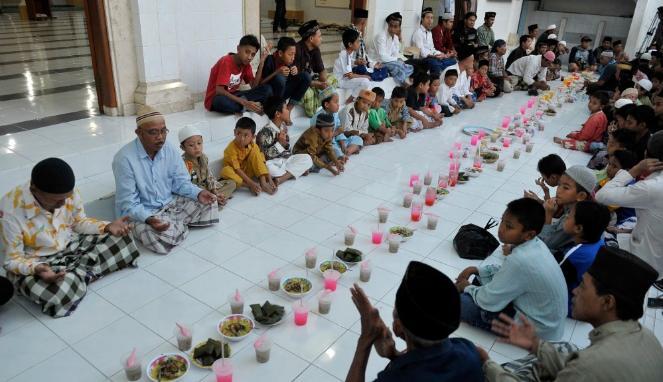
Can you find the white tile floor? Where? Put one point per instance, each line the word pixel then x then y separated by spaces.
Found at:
pixel 256 235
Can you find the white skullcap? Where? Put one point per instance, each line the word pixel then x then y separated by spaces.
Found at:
pixel 187 132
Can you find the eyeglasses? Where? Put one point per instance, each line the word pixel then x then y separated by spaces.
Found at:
pixel 157 132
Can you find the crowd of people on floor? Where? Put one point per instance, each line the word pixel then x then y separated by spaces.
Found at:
pixel 560 254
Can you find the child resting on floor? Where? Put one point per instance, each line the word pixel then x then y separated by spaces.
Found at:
pixel 575 185
pixel 343 145
pixel 378 123
pixel 483 86
pixel 317 142
pixel 354 117
pixel 197 163
pixel 397 112
pixel 445 94
pixel 551 167
pixel 243 161
pixel 432 107
pixel 586 223
pixel 528 282
pixel 623 219
pixel 592 130
pixel 416 100
pixel 618 138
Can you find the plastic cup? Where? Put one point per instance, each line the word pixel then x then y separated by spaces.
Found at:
pixel 263 346
pixel 407 200
pixel 376 237
pixel 383 215
pixel 331 277
pixel 458 145
pixel 324 303
pixel 541 126
pixel 500 165
pixel 274 281
pixel 432 222
pixel 236 306
pixel 414 178
pixel 493 138
pixel 301 313
pixel 223 370
pixel 477 162
pixel 431 196
pixel 506 142
pixel 184 341
pixel 443 181
pixel 350 237
pixel 394 243
pixel 428 179
pixel 474 140
pixel 133 372
pixel 415 213
pixel 516 154
pixel 529 147
pixel 416 188
pixel 365 269
pixel 312 257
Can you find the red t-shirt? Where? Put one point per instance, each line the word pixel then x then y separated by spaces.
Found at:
pixel 593 129
pixel 227 74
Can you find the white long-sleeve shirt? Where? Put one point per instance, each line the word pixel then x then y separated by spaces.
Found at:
pixel 646 197
pixel 528 68
pixel 445 96
pixel 343 63
pixel 387 47
pixel 422 38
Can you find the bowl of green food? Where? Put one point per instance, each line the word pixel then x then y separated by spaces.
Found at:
pixel 235 327
pixel 205 353
pixel 167 367
pixel 404 232
pixel 349 256
pixel 339 266
pixel 296 287
pixel 267 314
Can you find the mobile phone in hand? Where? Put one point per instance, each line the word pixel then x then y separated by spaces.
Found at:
pixel 655 303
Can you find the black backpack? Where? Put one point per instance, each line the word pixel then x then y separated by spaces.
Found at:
pixel 475 243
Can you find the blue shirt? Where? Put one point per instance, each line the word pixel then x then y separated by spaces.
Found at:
pixel 143 185
pixel 576 264
pixel 531 278
pixel 454 360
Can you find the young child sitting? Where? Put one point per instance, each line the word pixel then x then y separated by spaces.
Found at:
pixel 644 87
pixel 528 281
pixel 378 123
pixel 586 222
pixel 445 94
pixel 575 185
pixel 197 163
pixel 354 117
pixel 618 139
pixel 345 63
pixel 483 86
pixel 432 107
pixel 551 167
pixel 274 143
pixel 592 130
pixel 397 112
pixel 623 219
pixel 416 100
pixel 317 143
pixel 343 145
pixel 243 161
pixel 282 76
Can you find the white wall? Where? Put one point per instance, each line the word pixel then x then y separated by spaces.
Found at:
pixel 618 8
pixel 322 14
pixel 645 11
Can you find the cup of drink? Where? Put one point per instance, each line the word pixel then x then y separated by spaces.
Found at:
pixel 432 221
pixel 184 337
pixel 431 196
pixel 415 212
pixel 505 121
pixel 413 178
pixel 301 313
pixel 383 214
pixel 350 235
pixel 522 110
pixel 474 140
pixel 376 236
pixel 539 114
pixel 365 269
pixel 516 154
pixel 263 346
pixel 500 165
pixel 482 134
pixel 331 277
pixel 274 281
pixel 416 188
pixel 236 303
pixel 506 142
pixel 428 179
pixel 223 370
pixel 529 147
pixel 324 302
pixel 443 181
pixel 493 137
pixel 407 200
pixel 133 369
pixel 311 257
pixel 477 162
pixel 458 145
pixel 453 178
pixel 394 243
pixel 541 126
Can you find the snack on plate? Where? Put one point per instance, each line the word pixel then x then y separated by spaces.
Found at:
pixel 205 353
pixel 267 314
pixel 404 232
pixel 333 264
pixel 349 255
pixel 297 285
pixel 463 177
pixel 442 192
pixel 490 157
pixel 236 326
pixel 168 367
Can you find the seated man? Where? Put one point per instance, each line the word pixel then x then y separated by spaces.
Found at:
pixel 280 73
pixel 54 250
pixel 608 80
pixel 465 34
pixel 422 38
pixel 581 57
pixel 610 298
pixel 427 311
pixel 153 187
pixel 520 51
pixel 388 49
pixel 529 72
pixel 308 59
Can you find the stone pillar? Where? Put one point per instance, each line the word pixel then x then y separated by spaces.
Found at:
pixel 645 12
pixel 155 38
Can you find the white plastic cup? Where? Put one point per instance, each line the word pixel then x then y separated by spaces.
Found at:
pixel 516 154
pixel 500 165
pixel 365 269
pixel 223 370
pixel 407 200
pixel 324 303
pixel 236 306
pixel 183 342
pixel 383 215
pixel 274 281
pixel 350 237
pixel 311 259
pixel 529 147
pixel 263 346
pixel 394 243
pixel 133 372
pixel 432 222
pixel 416 188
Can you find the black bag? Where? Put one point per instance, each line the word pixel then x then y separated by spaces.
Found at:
pixel 475 243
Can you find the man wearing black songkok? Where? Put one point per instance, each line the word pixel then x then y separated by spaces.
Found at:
pixel 610 298
pixel 308 59
pixel 53 250
pixel 426 312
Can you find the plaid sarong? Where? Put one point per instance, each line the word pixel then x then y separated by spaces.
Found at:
pixel 526 368
pixel 181 213
pixel 311 100
pixel 86 259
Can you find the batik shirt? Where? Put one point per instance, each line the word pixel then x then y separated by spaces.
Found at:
pixel 361 53
pixel 268 141
pixel 30 232
pixel 199 171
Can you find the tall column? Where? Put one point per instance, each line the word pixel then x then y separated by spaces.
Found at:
pixel 645 12
pixel 155 38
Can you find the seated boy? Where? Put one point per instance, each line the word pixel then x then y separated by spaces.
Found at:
pixel 197 163
pixel 593 129
pixel 378 123
pixel 483 86
pixel 397 112
pixel 317 142
pixel 575 185
pixel 551 167
pixel 274 143
pixel 282 76
pixel 432 106
pixel 528 281
pixel 243 161
pixel 344 64
pixel 586 223
pixel 223 94
pixel 354 117
pixel 416 100
pixel 343 145
pixel 445 94
pixel 623 219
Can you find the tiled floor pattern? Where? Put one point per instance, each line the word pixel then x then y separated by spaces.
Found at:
pixel 45 71
pixel 256 235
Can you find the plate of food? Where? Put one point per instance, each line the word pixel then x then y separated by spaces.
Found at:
pixel 473 130
pixel 205 353
pixel 296 287
pixel 168 367
pixel 463 177
pixel 442 192
pixel 267 314
pixel 350 256
pixel 340 266
pixel 490 157
pixel 235 327
pixel 404 232
pixel 473 172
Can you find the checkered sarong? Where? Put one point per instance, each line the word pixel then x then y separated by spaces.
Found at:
pixel 311 100
pixel 526 368
pixel 181 213
pixel 86 259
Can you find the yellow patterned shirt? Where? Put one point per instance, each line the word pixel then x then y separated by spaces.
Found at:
pixel 30 232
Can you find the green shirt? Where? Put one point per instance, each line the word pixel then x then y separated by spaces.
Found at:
pixel 485 36
pixel 376 117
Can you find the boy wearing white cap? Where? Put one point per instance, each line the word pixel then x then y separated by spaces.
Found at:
pixel 644 87
pixel 197 163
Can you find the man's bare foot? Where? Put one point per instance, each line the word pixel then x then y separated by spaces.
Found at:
pixel 280 179
pixel 388 140
pixel 267 186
